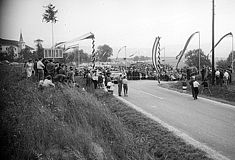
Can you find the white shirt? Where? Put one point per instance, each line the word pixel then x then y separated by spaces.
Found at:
pixel 195 84
pixel 46 83
pixel 40 65
pixel 217 73
pixel 226 75
pixel 124 81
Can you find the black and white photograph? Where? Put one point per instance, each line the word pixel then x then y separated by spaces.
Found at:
pixel 117 80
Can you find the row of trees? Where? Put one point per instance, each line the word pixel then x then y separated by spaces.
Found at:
pixel 103 53
pixel 192 59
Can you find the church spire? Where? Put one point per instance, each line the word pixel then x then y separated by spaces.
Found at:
pixel 21 37
pixel 21 42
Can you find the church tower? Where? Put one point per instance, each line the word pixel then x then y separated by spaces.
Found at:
pixel 21 42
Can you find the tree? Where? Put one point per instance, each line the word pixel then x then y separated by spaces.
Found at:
pixel 229 59
pixel 39 48
pixel 192 58
pixel 78 56
pixel 223 64
pixel 49 16
pixel 104 52
pixel 26 54
pixel 136 58
pixel 8 55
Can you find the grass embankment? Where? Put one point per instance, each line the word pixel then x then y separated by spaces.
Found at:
pixel 223 94
pixel 67 123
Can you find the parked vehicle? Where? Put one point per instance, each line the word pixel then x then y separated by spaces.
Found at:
pixel 114 76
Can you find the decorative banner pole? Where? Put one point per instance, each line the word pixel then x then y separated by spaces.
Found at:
pixel 83 37
pixel 155 50
pixel 226 35
pixel 93 51
pixel 164 54
pixel 185 47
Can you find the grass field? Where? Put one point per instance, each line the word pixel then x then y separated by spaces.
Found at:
pixel 69 123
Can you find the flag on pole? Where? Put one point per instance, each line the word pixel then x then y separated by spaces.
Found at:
pixel 184 49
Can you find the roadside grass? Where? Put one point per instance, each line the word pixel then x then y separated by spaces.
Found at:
pixel 151 140
pixel 66 123
pixel 223 94
pixel 57 123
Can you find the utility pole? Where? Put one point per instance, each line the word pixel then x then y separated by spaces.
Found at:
pixel 78 57
pixel 125 57
pixel 213 51
pixel 199 54
pixel 232 55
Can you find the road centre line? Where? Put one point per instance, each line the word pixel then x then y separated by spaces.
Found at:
pixel 205 99
pixel 151 94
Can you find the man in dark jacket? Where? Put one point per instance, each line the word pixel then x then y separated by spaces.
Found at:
pixel 119 85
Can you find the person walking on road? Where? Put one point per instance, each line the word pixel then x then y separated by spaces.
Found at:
pixel 125 86
pixel 120 85
pixel 195 88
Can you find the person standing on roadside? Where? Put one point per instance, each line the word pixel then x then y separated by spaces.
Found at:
pixel 125 86
pixel 95 79
pixel 217 77
pixel 191 84
pixel 226 78
pixel 29 68
pixel 120 85
pixel 40 69
pixel 195 88
pixel 50 67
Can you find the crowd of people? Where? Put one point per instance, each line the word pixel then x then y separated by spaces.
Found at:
pixel 102 78
pixel 48 72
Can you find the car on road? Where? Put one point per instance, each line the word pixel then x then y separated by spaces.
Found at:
pixel 114 76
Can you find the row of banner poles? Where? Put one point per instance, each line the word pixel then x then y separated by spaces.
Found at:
pixel 180 55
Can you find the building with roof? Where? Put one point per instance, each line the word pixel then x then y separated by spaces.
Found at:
pixel 7 46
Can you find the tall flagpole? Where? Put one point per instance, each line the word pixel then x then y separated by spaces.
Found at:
pixel 125 57
pixel 53 54
pixel 232 55
pixel 213 51
pixel 199 54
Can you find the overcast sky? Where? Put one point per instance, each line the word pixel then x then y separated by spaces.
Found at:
pixel 131 23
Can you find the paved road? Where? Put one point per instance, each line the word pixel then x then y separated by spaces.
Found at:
pixel 208 122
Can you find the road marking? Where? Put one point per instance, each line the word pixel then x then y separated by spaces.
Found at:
pixel 221 104
pixel 211 152
pixel 151 94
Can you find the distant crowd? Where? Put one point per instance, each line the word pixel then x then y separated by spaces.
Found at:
pixel 48 72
